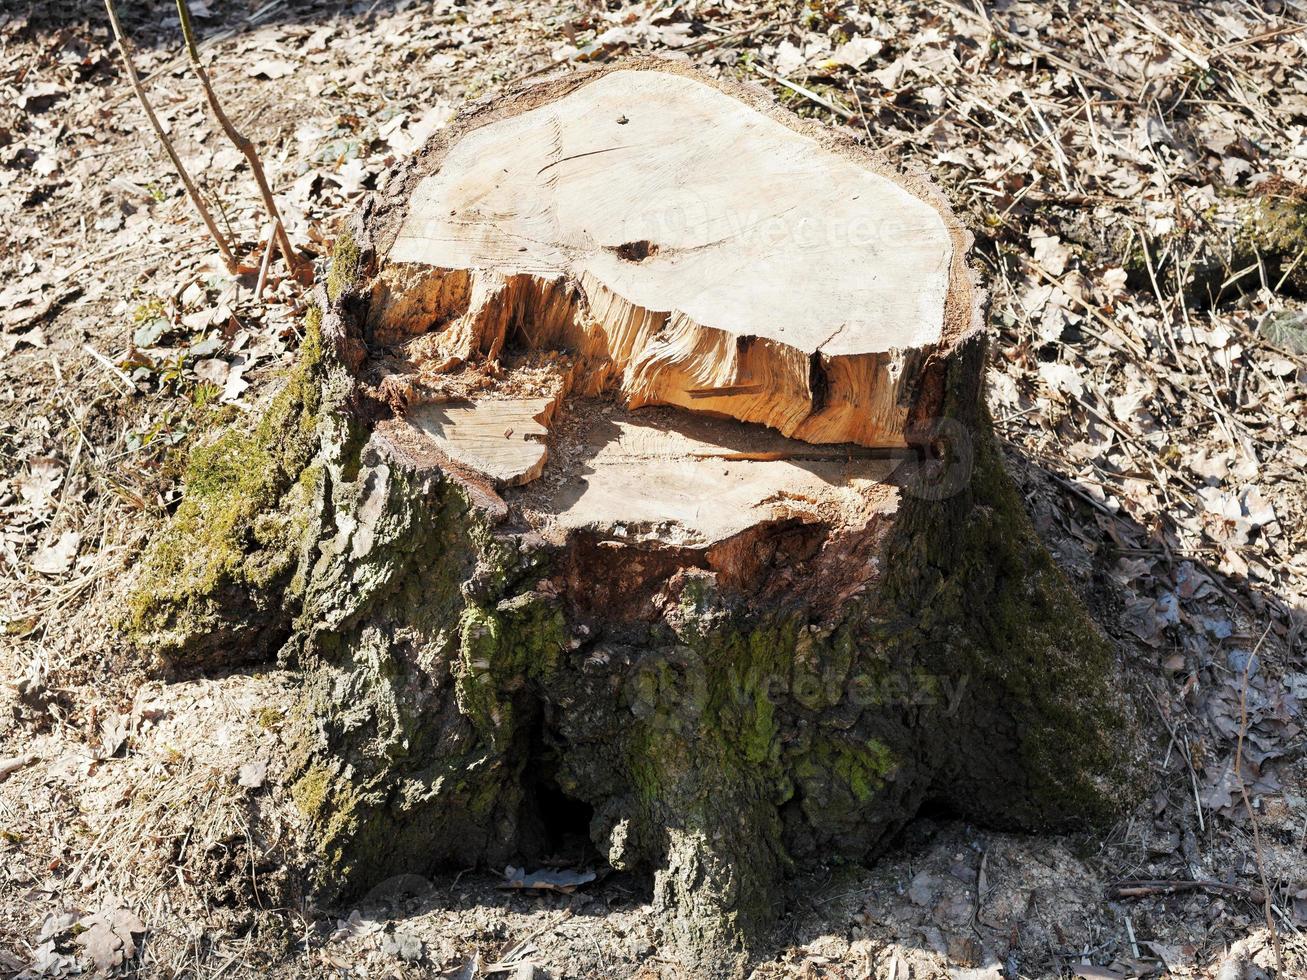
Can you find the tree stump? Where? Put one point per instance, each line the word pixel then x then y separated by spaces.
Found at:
pixel 653 495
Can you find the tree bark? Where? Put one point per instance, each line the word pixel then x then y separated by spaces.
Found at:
pixel 746 599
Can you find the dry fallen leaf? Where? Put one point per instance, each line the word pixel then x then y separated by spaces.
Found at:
pixel 57 558
pixel 565 882
pixel 856 51
pixel 252 774
pixel 38 484
pixel 271 68
pixel 355 926
pixel 213 370
pixel 1087 972
pixel 235 384
pixel 114 730
pixel 1050 252
pixel 109 938
pixel 1062 378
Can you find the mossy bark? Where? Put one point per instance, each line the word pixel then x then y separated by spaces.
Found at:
pixel 216 587
pixel 450 671
pixel 1243 242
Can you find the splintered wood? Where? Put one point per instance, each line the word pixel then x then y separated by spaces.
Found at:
pixel 683 246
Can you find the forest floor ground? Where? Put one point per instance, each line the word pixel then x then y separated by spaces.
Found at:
pixel 1136 176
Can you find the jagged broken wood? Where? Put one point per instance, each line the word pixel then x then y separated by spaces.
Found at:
pixel 637 477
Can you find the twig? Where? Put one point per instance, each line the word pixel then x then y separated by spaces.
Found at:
pixel 191 189
pixel 174 63
pixel 1151 25
pixel 1258 38
pixel 1143 889
pixel 1248 805
pixel 1058 154
pixel 1089 118
pixel 213 39
pixel 268 251
pixel 1289 271
pixel 1130 931
pixel 1073 487
pixel 1185 754
pixel 238 140
pixel 862 114
pixel 118 372
pixel 709 40
pixel 807 93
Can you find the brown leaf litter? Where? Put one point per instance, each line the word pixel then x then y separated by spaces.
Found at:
pixel 1135 175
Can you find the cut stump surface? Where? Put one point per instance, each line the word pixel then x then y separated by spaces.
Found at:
pixel 692 248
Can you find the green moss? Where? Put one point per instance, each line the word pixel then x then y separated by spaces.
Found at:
pixel 270 719
pixel 1265 241
pixel 499 651
pixel 331 805
pixel 840 773
pixel 346 261
pixel 865 768
pixel 746 675
pixel 480 636
pixel 310 791
pixel 245 504
pixel 1276 233
pixel 758 737
pixel 743 671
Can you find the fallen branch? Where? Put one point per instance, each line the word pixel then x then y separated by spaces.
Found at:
pixel 1143 889
pixel 240 141
pixel 218 237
